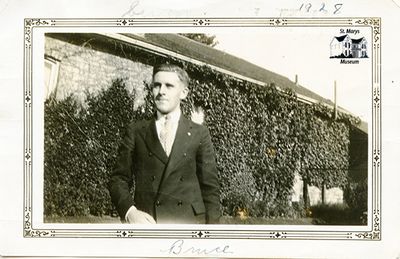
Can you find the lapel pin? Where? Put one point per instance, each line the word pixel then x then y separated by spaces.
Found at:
pixel 189 134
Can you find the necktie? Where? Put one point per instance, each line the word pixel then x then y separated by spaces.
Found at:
pixel 165 134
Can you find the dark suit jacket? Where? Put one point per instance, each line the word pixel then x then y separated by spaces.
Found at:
pixel 183 188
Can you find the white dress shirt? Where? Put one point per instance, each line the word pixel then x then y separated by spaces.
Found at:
pixel 174 118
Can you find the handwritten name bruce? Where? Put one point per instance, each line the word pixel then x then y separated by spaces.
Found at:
pixel 179 248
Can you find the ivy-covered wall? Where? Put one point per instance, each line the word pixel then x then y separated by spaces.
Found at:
pixel 262 137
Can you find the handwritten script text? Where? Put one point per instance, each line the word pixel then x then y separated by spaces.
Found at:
pixel 179 248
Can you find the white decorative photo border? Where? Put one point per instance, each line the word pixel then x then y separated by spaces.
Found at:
pixel 30 230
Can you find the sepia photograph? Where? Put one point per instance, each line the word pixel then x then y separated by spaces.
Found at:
pixel 198 128
pixel 158 129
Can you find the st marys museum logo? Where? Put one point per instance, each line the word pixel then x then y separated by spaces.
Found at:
pixel 344 47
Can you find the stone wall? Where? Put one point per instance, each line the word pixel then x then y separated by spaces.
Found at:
pixel 332 195
pixel 86 71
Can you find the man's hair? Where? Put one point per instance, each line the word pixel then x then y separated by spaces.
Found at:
pixel 181 73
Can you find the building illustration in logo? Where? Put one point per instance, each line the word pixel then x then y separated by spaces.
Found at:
pixel 346 47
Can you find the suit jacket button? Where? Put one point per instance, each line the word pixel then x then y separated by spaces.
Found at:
pixel 153 178
pixel 150 154
pixel 158 203
pixel 180 203
pixel 184 154
pixel 181 179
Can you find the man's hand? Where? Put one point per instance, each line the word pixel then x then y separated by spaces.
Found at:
pixel 135 216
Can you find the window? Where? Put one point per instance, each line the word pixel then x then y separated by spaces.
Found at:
pixel 51 67
pixel 364 54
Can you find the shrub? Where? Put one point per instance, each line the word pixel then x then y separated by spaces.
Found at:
pixel 261 136
pixel 298 210
pixel 80 150
pixel 237 192
pixel 356 196
pixel 335 214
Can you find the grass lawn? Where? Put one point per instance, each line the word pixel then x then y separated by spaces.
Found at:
pixel 267 221
pixel 83 219
pixel 319 215
pixel 224 220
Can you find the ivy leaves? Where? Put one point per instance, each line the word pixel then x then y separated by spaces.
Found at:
pixel 267 135
pixel 262 137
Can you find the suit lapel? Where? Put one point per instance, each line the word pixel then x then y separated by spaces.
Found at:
pixel 179 148
pixel 153 143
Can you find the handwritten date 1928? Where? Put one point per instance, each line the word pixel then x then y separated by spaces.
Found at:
pixel 308 7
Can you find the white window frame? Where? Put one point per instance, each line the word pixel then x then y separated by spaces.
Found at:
pixel 51 79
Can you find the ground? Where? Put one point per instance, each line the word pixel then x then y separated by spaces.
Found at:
pixel 225 220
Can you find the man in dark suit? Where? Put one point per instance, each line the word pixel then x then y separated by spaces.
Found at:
pixel 170 160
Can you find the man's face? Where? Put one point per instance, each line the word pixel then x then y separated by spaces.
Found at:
pixel 168 91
